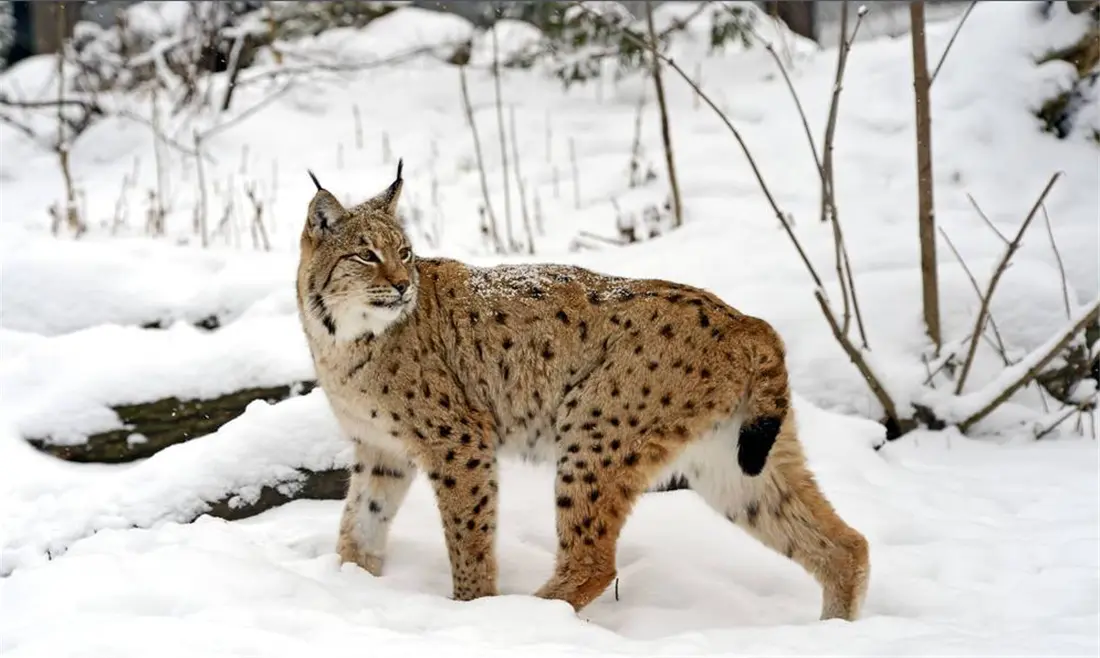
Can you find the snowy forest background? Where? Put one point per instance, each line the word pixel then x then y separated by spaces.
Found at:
pixel 907 191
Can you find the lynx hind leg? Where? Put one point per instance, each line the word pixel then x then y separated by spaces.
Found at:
pixel 598 481
pixel 784 508
pixel 606 460
pixel 378 486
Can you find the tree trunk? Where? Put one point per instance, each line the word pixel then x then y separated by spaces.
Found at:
pixel 163 423
pixel 798 15
pixel 666 136
pixel 925 204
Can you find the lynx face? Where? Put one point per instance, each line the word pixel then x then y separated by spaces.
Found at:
pixel 358 270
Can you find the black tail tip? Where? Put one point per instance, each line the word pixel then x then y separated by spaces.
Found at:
pixel 755 442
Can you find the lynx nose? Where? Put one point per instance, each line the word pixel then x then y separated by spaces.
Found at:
pixel 401 287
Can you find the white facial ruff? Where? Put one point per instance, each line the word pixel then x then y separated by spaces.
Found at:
pixel 353 320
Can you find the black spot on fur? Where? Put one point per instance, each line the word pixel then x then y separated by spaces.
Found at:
pixel 584 330
pixel 384 472
pixel 752 512
pixel 374 506
pixel 357 467
pixel 563 316
pixel 704 321
pixel 593 298
pixel 565 502
pixel 666 331
pixel 444 431
pixel 755 442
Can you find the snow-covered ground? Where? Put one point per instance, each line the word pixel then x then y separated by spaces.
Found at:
pixel 987 545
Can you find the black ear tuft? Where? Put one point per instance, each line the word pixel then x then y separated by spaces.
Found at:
pixel 318 183
pixel 400 166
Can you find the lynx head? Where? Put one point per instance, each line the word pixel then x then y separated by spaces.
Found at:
pixel 357 273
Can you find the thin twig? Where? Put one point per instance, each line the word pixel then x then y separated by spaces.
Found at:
pixel 200 209
pixel 977 290
pixel 985 218
pixel 857 358
pixel 983 311
pixel 505 172
pixel 258 216
pixel 247 113
pixel 468 109
pixel 576 173
pixel 662 106
pixel 951 41
pixel 1058 258
pixel 636 142
pixel 1086 405
pixel 519 181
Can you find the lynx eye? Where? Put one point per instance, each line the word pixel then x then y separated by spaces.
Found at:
pixel 405 254
pixel 368 257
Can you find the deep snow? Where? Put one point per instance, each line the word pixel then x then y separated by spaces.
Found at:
pixel 984 546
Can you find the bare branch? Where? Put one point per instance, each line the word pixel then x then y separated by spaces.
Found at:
pixel 509 239
pixel 879 391
pixel 519 182
pixel 979 324
pixel 951 41
pixel 825 171
pixel 853 352
pixel 736 135
pixel 480 161
pixel 1009 382
pixel 666 134
pixel 249 112
pixel 978 291
pixel 986 219
pixel 1087 405
pixel 1058 258
pixel 828 198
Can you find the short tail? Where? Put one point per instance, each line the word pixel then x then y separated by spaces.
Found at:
pixel 766 406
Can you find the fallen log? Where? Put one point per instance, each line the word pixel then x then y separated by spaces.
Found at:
pixel 329 484
pixel 150 427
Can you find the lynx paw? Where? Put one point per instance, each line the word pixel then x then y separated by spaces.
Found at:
pixel 349 552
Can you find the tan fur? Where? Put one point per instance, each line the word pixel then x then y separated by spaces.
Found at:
pixel 619 381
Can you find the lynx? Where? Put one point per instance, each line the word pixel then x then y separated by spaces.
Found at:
pixel 434 366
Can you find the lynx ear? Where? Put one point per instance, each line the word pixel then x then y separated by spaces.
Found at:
pixel 325 212
pixel 387 200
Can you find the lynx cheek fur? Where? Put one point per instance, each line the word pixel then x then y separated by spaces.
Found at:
pixel 432 365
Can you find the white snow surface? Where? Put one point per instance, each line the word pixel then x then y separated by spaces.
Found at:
pixel 988 545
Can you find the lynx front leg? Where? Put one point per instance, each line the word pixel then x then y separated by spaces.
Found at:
pixel 464 479
pixel 379 483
